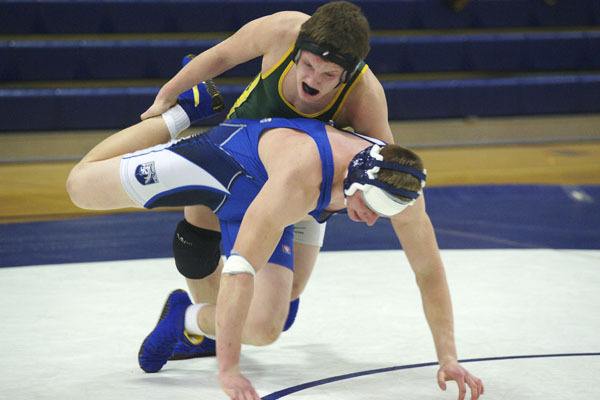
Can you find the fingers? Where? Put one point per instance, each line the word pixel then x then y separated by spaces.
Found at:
pixel 245 392
pixel 154 110
pixel 441 376
pixel 251 395
pixel 480 386
pixel 462 377
pixel 462 388
pixel 473 386
pixel 146 114
pixel 151 112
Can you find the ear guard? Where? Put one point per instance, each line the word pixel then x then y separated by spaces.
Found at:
pixel 379 196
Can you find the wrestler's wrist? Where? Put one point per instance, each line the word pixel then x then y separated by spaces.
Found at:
pixel 447 360
pixel 166 94
pixel 229 369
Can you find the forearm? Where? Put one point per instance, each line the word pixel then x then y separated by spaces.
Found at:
pixel 418 240
pixel 204 66
pixel 233 302
pixel 438 311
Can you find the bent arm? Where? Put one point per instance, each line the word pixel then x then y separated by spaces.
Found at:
pixel 251 41
pixel 416 234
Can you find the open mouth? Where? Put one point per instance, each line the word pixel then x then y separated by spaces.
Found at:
pixel 309 90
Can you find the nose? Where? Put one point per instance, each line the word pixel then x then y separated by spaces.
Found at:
pixel 359 212
pixel 369 217
pixel 312 80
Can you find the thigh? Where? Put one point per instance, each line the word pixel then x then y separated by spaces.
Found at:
pixel 271 300
pixel 283 254
pixel 192 171
pixel 305 257
pixel 308 240
pixel 97 185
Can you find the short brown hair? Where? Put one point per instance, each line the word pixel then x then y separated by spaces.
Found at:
pixel 401 180
pixel 341 27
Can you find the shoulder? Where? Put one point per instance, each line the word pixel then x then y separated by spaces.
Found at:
pixel 283 27
pixel 290 153
pixel 367 90
pixel 291 19
pixel 366 108
pixel 270 31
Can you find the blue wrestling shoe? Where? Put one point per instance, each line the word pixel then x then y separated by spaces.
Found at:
pixel 194 347
pixel 203 100
pixel 159 344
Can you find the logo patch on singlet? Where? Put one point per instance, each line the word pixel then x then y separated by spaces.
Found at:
pixel 146 173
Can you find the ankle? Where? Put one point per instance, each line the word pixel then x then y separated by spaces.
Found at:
pixel 176 120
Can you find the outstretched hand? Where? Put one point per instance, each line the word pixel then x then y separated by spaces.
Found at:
pixel 237 387
pixel 157 108
pixel 453 371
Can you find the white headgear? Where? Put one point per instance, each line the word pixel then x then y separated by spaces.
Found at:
pixel 379 196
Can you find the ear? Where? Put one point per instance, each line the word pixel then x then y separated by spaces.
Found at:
pixel 297 51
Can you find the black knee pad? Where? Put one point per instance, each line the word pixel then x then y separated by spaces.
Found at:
pixel 196 250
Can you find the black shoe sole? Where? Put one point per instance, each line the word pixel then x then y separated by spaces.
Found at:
pixel 217 101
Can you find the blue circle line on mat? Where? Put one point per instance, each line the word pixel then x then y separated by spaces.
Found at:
pixel 284 392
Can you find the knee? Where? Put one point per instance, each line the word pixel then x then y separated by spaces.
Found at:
pixel 265 333
pixel 196 250
pixel 75 186
pixel 265 328
pixel 297 288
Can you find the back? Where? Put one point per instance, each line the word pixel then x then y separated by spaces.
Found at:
pixel 240 139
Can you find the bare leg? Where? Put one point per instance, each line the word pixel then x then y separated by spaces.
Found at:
pixel 144 134
pixel 268 310
pixel 97 186
pixel 305 257
pixel 94 183
pixel 205 290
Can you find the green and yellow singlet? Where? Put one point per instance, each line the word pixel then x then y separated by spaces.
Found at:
pixel 263 98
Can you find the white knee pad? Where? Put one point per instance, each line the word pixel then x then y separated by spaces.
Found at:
pixel 309 232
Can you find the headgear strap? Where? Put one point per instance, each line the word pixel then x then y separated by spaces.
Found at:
pixel 346 61
pixel 378 195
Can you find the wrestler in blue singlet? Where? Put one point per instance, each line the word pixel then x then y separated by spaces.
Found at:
pixel 222 170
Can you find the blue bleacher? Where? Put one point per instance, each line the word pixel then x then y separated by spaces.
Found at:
pixel 98 108
pixel 532 71
pixel 150 16
pixel 151 59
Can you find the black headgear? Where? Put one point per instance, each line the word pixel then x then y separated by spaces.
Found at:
pixel 346 61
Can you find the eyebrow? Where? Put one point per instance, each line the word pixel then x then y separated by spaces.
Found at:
pixel 309 62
